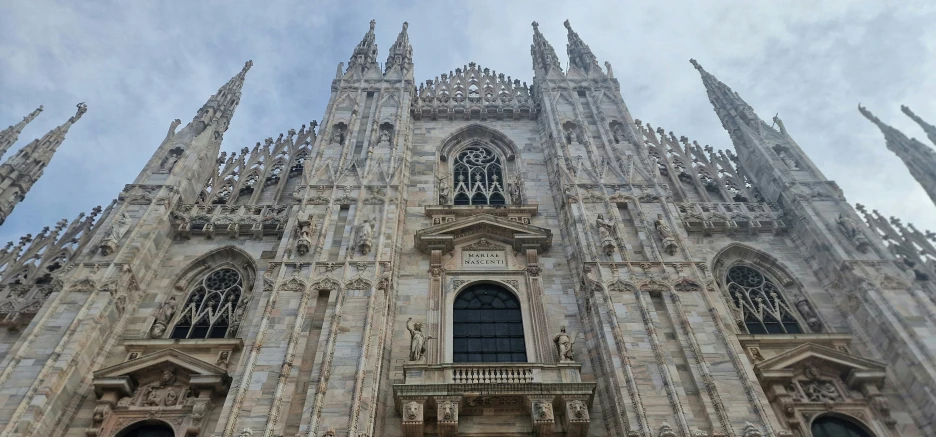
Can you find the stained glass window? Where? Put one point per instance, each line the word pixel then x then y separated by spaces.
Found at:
pixel 488 326
pixel 210 307
pixel 759 303
pixel 478 177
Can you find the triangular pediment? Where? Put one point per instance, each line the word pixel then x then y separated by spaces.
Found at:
pixel 852 368
pixel 518 235
pixel 126 375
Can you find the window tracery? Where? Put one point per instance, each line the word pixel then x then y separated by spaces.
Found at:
pixel 478 177
pixel 759 303
pixel 213 308
pixel 830 426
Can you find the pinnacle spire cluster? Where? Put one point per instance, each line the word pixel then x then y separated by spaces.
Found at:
pixel 928 128
pixel 22 170
pixel 9 135
pixel 732 110
pixel 919 158
pixel 221 105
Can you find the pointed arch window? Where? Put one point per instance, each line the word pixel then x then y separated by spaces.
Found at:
pixel 760 303
pixel 478 177
pixel 487 326
pixel 209 311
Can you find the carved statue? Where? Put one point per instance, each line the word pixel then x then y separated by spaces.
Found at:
pixel 789 162
pixel 513 189
pixel 448 411
pixel 417 340
pixel 806 310
pixel 384 136
pixel 412 411
pixel 666 234
pixel 610 72
pixel 330 432
pixel 821 391
pixel 605 230
pixel 365 236
pixel 578 410
pixel 542 410
pixel 779 123
pixel 617 133
pixel 443 192
pixel 166 311
pixel 564 344
pixel 169 162
pixel 304 242
pixel 337 136
pixel 853 232
pixel 116 232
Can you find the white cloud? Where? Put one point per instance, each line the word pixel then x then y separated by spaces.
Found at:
pixel 140 67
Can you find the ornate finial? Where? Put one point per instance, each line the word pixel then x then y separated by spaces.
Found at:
pixel 82 108
pixel 373 23
pixel 567 24
pixel 695 64
pixel 535 25
pixel 405 25
pixel 247 66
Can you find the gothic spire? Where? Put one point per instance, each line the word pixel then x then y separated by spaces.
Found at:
pixel 365 54
pixel 731 109
pixel 919 158
pixel 928 128
pixel 221 105
pixel 9 135
pixel 22 170
pixel 580 55
pixel 544 56
pixel 401 53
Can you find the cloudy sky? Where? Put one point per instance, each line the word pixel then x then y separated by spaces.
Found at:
pixel 140 67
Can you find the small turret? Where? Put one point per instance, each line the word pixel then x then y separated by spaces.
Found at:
pixel 544 56
pixel 919 158
pixel 580 55
pixel 928 128
pixel 401 53
pixel 365 54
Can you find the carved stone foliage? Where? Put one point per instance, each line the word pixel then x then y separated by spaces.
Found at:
pixel 232 221
pixel 473 91
pixel 729 218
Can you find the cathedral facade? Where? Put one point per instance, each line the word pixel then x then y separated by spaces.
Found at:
pixel 469 255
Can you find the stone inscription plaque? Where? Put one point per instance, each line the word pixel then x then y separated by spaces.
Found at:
pixel 484 260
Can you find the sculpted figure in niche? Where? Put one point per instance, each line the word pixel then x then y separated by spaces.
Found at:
pixel 819 391
pixel 158 393
pixel 116 232
pixel 564 344
pixel 304 243
pixel 513 189
pixel 806 310
pixel 666 234
pixel 170 161
pixel 384 136
pixel 605 230
pixel 417 340
pixel 443 192
pixel 365 236
pixel 790 163
pixel 853 232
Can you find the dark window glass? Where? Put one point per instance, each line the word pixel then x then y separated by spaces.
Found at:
pixel 211 304
pixel 151 431
pixel 835 427
pixel 478 177
pixel 487 326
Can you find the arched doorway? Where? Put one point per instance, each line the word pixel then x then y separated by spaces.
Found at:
pixel 149 430
pixel 831 426
pixel 487 326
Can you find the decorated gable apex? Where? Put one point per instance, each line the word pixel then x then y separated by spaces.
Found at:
pixel 518 235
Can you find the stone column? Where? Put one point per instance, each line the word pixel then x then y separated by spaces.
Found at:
pixel 435 324
pixel 544 352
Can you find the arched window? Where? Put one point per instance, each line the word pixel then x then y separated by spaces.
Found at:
pixel 828 426
pixel 488 326
pixel 150 431
pixel 759 303
pixel 478 177
pixel 209 310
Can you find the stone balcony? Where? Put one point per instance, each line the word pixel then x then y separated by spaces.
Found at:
pixel 433 397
